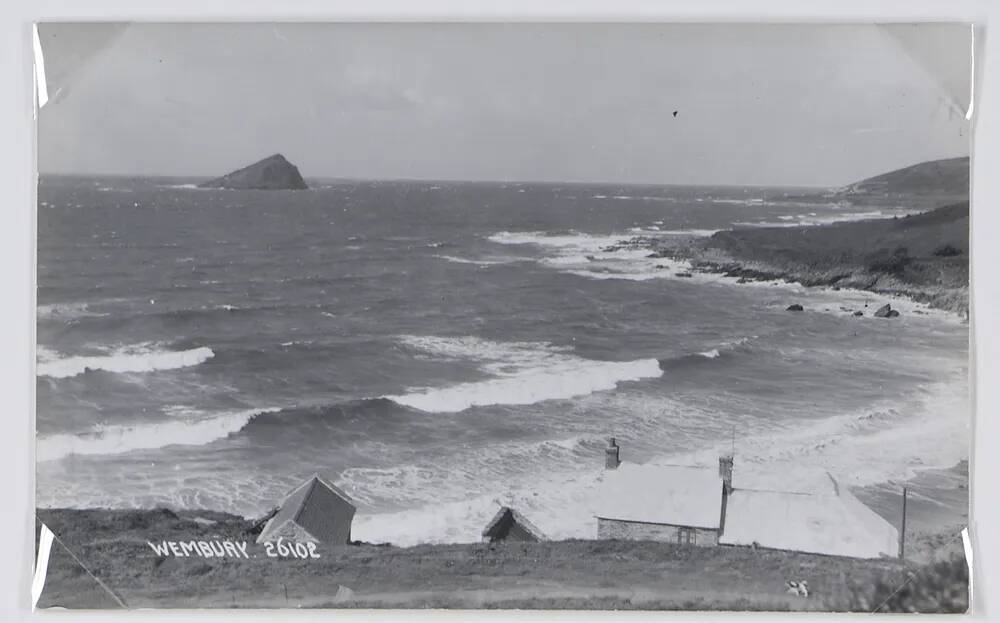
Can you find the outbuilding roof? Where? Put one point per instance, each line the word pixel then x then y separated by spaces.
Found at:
pixel 667 494
pixel 835 524
pixel 317 507
pixel 494 526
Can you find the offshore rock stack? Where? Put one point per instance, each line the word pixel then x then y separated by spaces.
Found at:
pixel 271 173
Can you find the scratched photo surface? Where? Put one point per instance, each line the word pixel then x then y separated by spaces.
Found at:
pixel 590 316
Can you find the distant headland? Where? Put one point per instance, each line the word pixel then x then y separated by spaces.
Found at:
pixel 923 256
pixel 271 173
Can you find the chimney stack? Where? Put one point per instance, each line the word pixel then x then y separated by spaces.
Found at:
pixel 726 472
pixel 611 458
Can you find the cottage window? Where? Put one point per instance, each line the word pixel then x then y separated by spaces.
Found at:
pixel 685 536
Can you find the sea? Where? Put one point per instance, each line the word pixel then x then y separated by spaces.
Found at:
pixel 438 349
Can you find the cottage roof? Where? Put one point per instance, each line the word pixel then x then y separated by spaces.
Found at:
pixel 665 494
pixel 835 524
pixel 518 518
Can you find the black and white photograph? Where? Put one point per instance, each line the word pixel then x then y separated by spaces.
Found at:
pixel 588 316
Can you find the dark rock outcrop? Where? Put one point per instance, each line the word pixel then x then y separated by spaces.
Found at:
pixel 883 312
pixel 859 313
pixel 892 314
pixel 271 173
pixel 794 307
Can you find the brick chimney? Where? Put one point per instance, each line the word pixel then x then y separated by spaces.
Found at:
pixel 611 458
pixel 726 472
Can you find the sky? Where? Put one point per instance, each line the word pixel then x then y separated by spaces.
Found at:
pixel 801 105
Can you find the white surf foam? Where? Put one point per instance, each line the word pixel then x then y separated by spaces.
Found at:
pixel 456 504
pixel 140 358
pixel 188 427
pixel 887 442
pixel 562 509
pixel 66 311
pixel 605 256
pixel 814 219
pixel 845 301
pixel 484 262
pixel 524 373
pixel 570 239
pixel 701 233
pixel 186 187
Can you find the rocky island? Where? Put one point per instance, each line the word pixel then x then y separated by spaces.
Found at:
pixel 271 173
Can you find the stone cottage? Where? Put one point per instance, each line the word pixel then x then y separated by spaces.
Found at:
pixel 700 506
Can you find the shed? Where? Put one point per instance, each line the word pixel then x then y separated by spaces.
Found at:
pixel 510 525
pixel 316 511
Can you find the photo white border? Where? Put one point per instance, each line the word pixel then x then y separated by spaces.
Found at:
pixel 17 245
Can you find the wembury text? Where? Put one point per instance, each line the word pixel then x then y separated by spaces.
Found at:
pixel 233 549
pixel 205 549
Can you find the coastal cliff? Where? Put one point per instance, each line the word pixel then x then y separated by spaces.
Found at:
pixel 923 256
pixel 949 177
pixel 271 173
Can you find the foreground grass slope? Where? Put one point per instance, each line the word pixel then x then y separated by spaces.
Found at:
pixel 112 545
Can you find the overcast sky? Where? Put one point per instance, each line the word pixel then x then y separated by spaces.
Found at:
pixel 784 105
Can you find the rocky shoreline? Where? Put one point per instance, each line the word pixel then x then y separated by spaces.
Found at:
pixel 923 257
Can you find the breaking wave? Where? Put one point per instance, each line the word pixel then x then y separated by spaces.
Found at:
pixel 524 373
pixel 118 439
pixel 604 256
pixel 65 311
pixel 860 448
pixel 463 260
pixel 129 359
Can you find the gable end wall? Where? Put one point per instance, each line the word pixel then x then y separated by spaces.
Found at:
pixel 639 531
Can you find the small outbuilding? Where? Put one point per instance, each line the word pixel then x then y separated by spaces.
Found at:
pixel 316 511
pixel 510 525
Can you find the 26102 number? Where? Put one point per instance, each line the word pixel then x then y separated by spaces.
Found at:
pixel 290 549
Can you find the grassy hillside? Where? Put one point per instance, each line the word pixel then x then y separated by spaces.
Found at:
pixel 938 177
pixel 564 574
pixel 925 256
